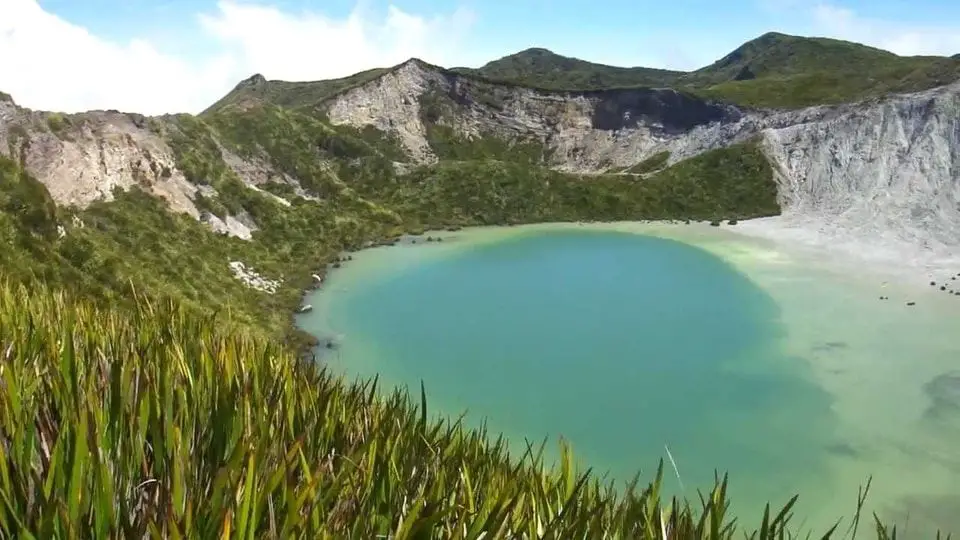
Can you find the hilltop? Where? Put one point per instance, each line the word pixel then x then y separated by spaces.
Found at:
pixel 542 68
pixel 773 71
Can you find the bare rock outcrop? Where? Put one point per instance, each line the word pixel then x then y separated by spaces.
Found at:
pixel 886 167
pixel 83 158
pixel 585 131
pixel 390 103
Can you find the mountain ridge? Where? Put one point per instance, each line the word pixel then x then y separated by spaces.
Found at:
pixel 743 54
pixel 362 145
pixel 533 59
pixel 773 56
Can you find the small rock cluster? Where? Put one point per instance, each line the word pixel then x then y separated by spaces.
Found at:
pixel 62 231
pixel 254 280
pixel 949 286
pixel 338 262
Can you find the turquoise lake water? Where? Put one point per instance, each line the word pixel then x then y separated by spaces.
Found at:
pixel 623 344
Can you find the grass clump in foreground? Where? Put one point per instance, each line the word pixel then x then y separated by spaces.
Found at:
pixel 158 424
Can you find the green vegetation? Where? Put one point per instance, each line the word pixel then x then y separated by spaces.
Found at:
pixel 58 123
pixel 136 239
pixel 292 95
pixel 652 163
pixel 436 107
pixel 778 70
pixel 780 55
pixel 775 70
pixel 157 423
pixel 735 181
pixel 545 69
pixel 280 189
pixel 132 239
pixel 447 145
pixel 25 205
pixel 301 145
pixel 198 155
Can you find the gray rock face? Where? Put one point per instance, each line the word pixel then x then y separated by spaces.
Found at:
pixel 889 168
pixel 83 158
pixel 89 155
pixel 886 167
pixel 587 131
pixel 669 111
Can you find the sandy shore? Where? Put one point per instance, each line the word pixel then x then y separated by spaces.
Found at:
pixel 907 255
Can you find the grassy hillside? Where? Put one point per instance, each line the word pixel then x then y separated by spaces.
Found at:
pixel 256 89
pixel 722 184
pixel 774 70
pixel 776 55
pixel 652 163
pixel 777 70
pixel 545 69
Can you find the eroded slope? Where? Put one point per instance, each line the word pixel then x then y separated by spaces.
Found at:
pixel 887 166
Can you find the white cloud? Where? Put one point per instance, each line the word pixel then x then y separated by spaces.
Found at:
pixel 46 62
pixel 49 63
pixel 312 46
pixel 902 38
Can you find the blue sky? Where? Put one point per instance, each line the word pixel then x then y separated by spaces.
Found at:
pixel 179 55
pixel 681 34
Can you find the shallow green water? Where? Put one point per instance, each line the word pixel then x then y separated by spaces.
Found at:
pixel 626 344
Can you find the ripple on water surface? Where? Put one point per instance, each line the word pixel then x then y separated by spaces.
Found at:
pixel 627 344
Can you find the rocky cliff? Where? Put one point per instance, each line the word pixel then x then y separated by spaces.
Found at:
pixel 584 131
pixel 880 170
pixel 82 158
pixel 887 166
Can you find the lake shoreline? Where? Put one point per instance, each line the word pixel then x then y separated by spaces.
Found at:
pixel 881 259
pixel 918 260
pixel 912 269
pixel 915 270
pixel 856 365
